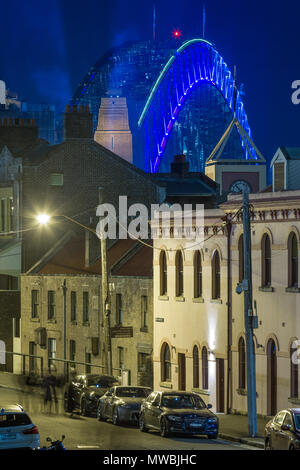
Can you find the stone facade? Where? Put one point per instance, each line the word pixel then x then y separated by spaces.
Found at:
pixel 218 325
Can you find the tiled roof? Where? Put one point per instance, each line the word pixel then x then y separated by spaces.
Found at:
pixel 70 259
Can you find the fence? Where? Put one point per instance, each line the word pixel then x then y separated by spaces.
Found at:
pixel 29 367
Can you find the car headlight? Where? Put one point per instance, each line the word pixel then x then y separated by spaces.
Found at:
pixel 174 418
pixel 212 420
pixel 94 396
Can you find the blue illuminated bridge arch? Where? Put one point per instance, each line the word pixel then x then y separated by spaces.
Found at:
pixel 195 62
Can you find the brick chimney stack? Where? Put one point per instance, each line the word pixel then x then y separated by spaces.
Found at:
pixel 78 123
pixel 18 133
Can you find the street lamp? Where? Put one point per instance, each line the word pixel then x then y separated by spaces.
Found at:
pixel 107 289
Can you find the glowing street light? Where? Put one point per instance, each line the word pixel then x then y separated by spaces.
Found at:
pixel 43 219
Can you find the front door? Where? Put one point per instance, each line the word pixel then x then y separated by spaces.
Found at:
pixel 181 372
pixel 220 385
pixel 271 378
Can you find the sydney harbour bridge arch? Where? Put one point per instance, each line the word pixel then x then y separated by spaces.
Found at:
pixel 180 100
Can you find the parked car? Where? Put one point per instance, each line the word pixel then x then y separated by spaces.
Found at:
pixel 283 431
pixel 17 430
pixel 178 412
pixel 84 391
pixel 122 404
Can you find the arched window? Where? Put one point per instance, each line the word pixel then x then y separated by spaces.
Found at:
pixel 241 258
pixel 266 260
pixel 271 378
pixel 163 273
pixel 195 367
pixel 204 368
pixel 165 363
pixel 197 275
pixel 242 364
pixel 294 373
pixel 292 260
pixel 179 274
pixel 216 276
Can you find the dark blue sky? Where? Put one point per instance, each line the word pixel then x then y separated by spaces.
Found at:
pixel 47 47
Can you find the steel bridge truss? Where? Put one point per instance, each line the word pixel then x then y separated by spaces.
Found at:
pixel 195 62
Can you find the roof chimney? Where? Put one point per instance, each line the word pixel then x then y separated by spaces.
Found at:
pixel 78 123
pixel 180 166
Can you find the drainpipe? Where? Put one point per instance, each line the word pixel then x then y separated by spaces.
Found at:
pixel 229 314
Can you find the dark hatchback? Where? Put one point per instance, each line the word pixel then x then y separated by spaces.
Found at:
pixel 84 391
pixel 178 412
pixel 283 431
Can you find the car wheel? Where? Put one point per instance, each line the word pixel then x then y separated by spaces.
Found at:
pixel 213 436
pixel 142 426
pixel 115 416
pixel 164 428
pixel 268 444
pixel 84 410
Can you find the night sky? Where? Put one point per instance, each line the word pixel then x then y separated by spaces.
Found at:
pixel 48 46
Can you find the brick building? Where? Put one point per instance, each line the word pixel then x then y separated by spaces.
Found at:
pixel 42 298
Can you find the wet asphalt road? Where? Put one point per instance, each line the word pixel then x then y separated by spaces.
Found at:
pixel 87 433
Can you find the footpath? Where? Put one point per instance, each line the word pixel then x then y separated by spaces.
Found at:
pixel 232 427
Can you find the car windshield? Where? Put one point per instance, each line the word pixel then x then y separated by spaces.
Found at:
pixel 14 419
pixel 101 382
pixel 183 401
pixel 297 421
pixel 132 392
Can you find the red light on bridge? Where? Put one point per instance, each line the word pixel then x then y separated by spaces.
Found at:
pixel 176 33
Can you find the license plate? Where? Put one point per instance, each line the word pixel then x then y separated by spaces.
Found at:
pixel 196 425
pixel 6 437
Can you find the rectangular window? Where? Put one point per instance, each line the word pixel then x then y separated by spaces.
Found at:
pixel 56 179
pixel 3 214
pixel 72 350
pixel 121 357
pixel 32 352
pixel 16 327
pixel 142 360
pixel 73 306
pixel 51 304
pixel 119 310
pixel 144 311
pixel 88 359
pixel 86 315
pixel 34 303
pixel 51 351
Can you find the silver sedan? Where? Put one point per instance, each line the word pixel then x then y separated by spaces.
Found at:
pixel 122 404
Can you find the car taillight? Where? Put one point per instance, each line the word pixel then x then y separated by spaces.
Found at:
pixel 33 430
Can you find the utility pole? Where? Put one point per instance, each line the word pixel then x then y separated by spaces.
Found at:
pixel 64 289
pixel 105 297
pixel 249 319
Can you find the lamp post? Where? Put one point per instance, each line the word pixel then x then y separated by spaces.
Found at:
pixel 44 219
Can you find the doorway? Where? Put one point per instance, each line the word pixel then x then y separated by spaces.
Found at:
pixel 220 367
pixel 271 378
